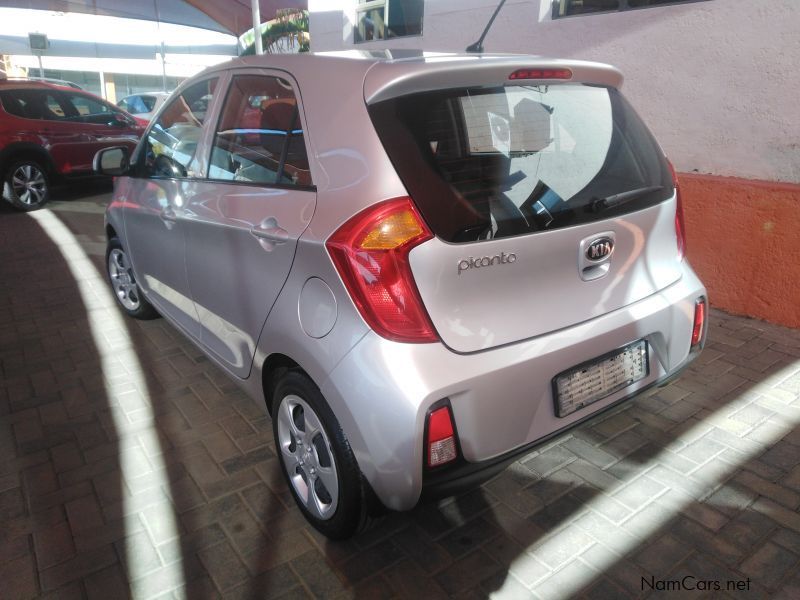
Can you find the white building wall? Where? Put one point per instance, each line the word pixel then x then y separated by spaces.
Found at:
pixel 718 81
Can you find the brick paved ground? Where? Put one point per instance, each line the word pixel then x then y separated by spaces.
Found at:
pixel 700 478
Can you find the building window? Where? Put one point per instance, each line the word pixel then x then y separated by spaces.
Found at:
pixel 383 19
pixel 565 8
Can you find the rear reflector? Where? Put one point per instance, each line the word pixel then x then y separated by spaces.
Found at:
pixel 441 439
pixel 541 74
pixel 699 322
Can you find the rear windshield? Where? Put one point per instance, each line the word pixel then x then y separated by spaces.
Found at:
pixel 488 163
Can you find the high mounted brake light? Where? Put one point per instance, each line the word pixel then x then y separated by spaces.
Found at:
pixel 541 74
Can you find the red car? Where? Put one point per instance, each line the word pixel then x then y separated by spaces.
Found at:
pixel 50 133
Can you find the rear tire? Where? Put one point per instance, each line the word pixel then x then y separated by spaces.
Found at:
pixel 123 283
pixel 26 185
pixel 316 459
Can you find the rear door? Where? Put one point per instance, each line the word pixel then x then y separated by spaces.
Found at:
pixel 243 223
pixel 551 202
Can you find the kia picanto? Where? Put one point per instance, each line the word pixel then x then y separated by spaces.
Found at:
pixel 420 266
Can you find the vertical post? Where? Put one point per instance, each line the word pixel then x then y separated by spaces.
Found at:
pixel 163 67
pixel 103 85
pixel 257 25
pixel 41 69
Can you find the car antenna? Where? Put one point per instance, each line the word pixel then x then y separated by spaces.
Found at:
pixel 477 47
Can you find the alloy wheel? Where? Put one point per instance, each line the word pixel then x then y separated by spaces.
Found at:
pixel 307 457
pixel 122 280
pixel 29 184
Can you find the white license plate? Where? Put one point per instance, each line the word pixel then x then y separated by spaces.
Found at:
pixel 601 377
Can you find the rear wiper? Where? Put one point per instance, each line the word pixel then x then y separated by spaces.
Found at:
pixel 598 204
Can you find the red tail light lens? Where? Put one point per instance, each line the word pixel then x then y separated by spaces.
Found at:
pixel 699 322
pixel 441 439
pixel 370 252
pixel 541 74
pixel 680 227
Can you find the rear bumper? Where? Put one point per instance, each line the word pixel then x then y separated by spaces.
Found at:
pixel 471 474
pixel 502 399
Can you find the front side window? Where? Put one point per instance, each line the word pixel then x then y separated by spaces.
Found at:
pixel 383 19
pixel 564 8
pixel 172 140
pixel 259 138
pixel 89 110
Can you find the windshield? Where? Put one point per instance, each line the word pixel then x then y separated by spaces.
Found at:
pixel 488 163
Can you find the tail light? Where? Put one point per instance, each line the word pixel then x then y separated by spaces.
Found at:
pixel 440 439
pixel 370 252
pixel 680 227
pixel 699 322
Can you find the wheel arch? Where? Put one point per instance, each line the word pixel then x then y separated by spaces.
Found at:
pixel 275 365
pixel 21 150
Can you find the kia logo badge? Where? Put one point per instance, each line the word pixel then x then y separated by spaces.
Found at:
pixel 599 249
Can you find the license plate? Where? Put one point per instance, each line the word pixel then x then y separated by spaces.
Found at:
pixel 594 380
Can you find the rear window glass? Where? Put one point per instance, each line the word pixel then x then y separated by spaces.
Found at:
pixel 488 163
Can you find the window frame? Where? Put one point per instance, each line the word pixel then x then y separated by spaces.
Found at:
pixel 219 113
pixel 365 5
pixel 623 7
pixel 202 151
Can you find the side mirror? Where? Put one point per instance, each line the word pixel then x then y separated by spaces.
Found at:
pixel 112 161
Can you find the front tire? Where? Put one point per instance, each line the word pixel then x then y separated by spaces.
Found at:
pixel 26 185
pixel 123 283
pixel 316 458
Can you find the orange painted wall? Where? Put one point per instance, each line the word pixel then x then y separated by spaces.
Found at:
pixel 743 240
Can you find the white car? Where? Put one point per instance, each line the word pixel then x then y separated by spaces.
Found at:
pixel 143 106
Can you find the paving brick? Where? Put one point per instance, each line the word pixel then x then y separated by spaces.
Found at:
pixel 778 493
pixel 317 576
pixel 223 565
pixel 108 583
pixel 770 564
pixel 467 572
pixel 18 578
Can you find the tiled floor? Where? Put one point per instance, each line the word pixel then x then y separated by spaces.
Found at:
pixel 132 466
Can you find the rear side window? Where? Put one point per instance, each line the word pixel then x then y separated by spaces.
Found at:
pixel 259 138
pixel 171 142
pixel 490 163
pixel 35 104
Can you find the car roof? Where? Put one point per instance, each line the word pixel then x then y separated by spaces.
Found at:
pixel 26 84
pixel 392 72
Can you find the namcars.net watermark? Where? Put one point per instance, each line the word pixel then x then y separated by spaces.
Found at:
pixel 691 583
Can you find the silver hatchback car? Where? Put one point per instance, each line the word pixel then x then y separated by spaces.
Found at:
pixel 421 266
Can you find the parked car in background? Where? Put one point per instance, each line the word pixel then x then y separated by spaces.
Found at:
pixel 421 267
pixel 50 133
pixel 143 106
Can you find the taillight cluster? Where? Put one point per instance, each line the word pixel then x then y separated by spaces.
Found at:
pixel 680 227
pixel 370 252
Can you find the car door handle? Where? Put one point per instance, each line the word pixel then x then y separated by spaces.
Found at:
pixel 274 234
